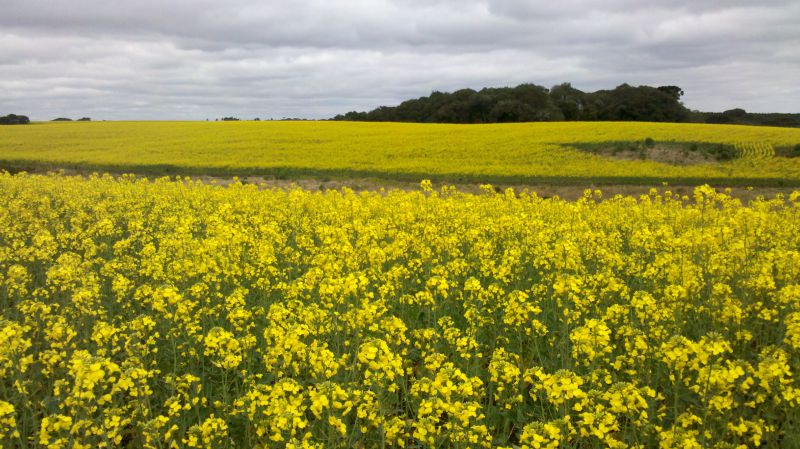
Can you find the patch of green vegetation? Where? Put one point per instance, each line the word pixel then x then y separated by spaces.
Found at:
pixel 691 151
pixel 718 151
pixel 788 151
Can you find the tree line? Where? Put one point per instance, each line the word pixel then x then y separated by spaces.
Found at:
pixel 14 119
pixel 533 103
pixel 739 116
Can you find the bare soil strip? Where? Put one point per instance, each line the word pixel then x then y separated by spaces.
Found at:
pixel 566 192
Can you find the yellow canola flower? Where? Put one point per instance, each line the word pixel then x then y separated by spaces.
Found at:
pixel 212 433
pixel 223 348
pixel 177 313
pixel 380 364
pixel 13 347
pixel 539 435
pixel 591 341
pixel 8 422
pixel 559 387
pixel 510 150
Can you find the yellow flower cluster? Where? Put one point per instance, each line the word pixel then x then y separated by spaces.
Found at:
pixel 590 341
pixel 169 314
pixel 223 348
pixel 8 422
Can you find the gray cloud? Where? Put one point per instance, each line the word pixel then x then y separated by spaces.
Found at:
pixel 199 59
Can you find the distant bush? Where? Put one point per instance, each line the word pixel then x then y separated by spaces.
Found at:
pixel 62 119
pixel 13 119
pixel 735 113
pixel 649 142
pixel 84 119
pixel 723 152
pixel 717 118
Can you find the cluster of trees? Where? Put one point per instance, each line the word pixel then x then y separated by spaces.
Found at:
pixel 66 119
pixel 14 119
pixel 529 102
pixel 257 119
pixel 739 116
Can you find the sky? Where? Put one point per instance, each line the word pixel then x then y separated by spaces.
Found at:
pixel 199 59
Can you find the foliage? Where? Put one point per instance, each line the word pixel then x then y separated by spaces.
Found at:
pixel 708 152
pixel 13 119
pixel 741 117
pixel 788 150
pixel 177 314
pixel 514 152
pixel 643 103
pixel 532 103
pixel 675 91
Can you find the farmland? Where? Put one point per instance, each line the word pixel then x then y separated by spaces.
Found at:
pixel 399 225
pixel 160 314
pixel 500 153
pixel 171 312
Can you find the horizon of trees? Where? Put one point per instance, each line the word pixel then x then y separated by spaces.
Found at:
pixel 533 103
pixel 563 102
pixel 14 119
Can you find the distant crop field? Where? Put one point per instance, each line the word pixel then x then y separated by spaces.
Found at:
pixel 522 152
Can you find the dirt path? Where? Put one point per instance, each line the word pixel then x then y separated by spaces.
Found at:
pixel 567 192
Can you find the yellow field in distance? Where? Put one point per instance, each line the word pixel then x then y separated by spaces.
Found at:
pixel 521 152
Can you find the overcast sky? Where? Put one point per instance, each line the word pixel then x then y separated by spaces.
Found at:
pixel 181 59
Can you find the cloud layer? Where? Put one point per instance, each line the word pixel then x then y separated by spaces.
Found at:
pixel 200 59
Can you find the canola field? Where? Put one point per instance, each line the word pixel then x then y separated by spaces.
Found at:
pixel 171 314
pixel 501 153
